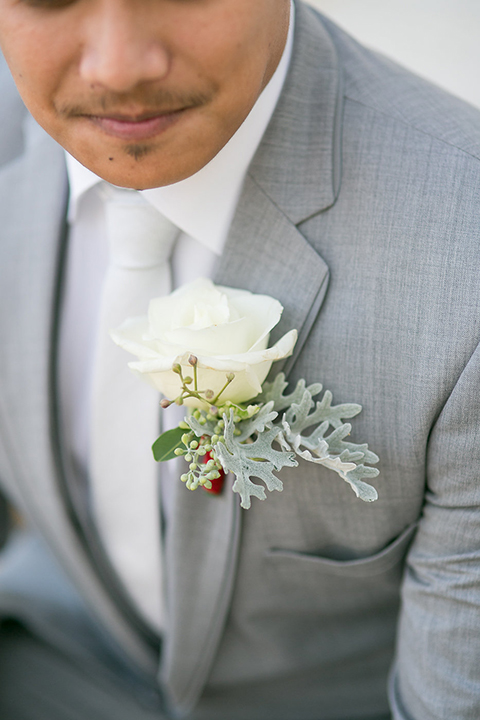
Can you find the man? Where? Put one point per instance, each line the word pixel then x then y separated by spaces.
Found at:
pixel 367 179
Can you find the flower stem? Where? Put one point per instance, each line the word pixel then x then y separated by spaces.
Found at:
pixel 230 377
pixel 195 393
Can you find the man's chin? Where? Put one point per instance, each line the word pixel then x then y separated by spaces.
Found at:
pixel 137 165
pixel 142 163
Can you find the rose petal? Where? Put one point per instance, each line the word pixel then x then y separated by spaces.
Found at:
pixel 130 336
pixel 197 304
pixel 231 337
pixel 263 313
pixel 232 363
pixel 282 349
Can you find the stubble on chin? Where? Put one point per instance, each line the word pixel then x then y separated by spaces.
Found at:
pixel 137 151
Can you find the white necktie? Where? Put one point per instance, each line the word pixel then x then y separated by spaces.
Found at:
pixel 125 411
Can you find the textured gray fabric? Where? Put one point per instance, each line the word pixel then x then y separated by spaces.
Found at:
pixel 360 214
pixel 39 681
pixel 55 657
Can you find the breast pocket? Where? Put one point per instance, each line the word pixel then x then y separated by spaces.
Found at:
pixel 313 583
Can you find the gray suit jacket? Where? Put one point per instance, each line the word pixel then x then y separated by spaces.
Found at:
pixel 368 181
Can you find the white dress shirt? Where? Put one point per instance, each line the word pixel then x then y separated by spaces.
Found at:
pixel 202 206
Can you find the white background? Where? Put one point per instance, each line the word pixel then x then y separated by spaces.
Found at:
pixel 438 39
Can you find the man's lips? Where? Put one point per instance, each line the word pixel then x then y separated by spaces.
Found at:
pixel 135 127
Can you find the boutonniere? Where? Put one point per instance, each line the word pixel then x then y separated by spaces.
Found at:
pixel 206 347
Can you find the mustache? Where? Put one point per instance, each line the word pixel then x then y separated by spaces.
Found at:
pixel 151 100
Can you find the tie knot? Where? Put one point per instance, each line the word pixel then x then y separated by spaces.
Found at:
pixel 139 235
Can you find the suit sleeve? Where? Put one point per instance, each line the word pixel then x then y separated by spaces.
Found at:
pixel 437 671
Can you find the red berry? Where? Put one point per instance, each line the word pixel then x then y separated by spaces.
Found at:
pixel 217 484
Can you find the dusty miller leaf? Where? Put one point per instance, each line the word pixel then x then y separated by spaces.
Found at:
pixel 304 413
pixel 207 429
pixel 257 424
pixel 273 391
pixel 324 410
pixel 345 458
pixel 339 446
pixel 255 459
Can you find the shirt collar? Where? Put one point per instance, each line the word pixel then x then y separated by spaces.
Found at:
pixel 203 204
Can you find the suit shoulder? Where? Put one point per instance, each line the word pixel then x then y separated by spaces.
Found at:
pixel 382 85
pixel 12 115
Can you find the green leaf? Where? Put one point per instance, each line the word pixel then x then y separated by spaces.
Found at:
pixel 164 447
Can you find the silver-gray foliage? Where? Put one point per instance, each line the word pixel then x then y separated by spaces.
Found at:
pixel 311 429
pixel 346 458
pixel 254 458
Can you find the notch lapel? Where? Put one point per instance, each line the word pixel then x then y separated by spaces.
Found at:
pixel 294 175
pixel 266 254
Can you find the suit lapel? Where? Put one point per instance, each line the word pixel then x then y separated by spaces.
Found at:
pixel 267 254
pixel 298 163
pixel 33 193
pixel 294 175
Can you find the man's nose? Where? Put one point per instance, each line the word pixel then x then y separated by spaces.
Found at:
pixel 121 49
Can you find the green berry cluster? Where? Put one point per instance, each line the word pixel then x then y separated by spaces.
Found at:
pixel 194 451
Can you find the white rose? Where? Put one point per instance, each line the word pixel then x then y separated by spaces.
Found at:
pixel 227 330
